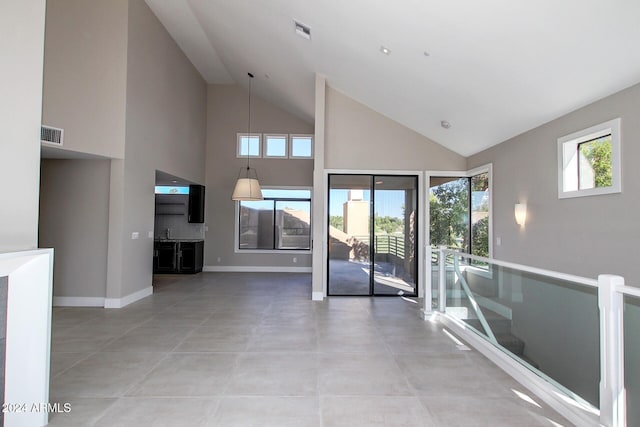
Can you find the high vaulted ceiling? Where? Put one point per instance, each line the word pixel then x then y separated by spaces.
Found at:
pixel 492 69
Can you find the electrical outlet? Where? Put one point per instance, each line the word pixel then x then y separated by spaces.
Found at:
pixel 219 259
pixel 150 234
pixel 295 260
pixel 135 235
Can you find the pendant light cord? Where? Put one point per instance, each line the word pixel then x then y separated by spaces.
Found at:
pixel 249 126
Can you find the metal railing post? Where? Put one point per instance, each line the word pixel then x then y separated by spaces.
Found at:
pixel 612 391
pixel 442 279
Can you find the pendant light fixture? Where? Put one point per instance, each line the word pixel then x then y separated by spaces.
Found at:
pixel 247 187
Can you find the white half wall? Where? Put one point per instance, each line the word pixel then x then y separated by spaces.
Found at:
pixel 28 341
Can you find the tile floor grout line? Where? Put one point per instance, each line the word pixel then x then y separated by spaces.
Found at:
pixel 282 308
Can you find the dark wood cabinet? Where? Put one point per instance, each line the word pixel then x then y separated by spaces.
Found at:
pixel 178 257
pixel 191 257
pixel 196 203
pixel 164 257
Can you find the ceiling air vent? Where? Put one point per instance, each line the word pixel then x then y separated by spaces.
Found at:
pixel 51 135
pixel 302 30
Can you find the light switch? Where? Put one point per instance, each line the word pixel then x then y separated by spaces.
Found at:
pixel 150 234
pixel 135 235
pixel 498 241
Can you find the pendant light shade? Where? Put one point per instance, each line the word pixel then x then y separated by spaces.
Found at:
pixel 247 186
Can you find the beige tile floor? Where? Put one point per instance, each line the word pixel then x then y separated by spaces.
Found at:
pixel 232 349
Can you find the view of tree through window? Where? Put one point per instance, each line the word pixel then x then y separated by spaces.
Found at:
pixel 594 168
pixel 480 215
pixel 459 211
pixel 449 207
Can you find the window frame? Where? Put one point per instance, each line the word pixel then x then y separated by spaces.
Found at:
pixel 239 137
pixel 265 143
pixel 237 248
pixel 300 135
pixel 488 169
pixel 568 159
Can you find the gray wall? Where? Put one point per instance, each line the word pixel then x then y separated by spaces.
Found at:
pixel 165 130
pixel 227 108
pixel 121 88
pixel 585 235
pixel 22 46
pixel 74 220
pixel 85 74
pixel 357 137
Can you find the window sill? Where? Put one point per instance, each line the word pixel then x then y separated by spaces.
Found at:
pixel 274 251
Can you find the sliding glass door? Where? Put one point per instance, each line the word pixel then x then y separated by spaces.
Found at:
pixel 373 229
pixel 395 231
pixel 349 235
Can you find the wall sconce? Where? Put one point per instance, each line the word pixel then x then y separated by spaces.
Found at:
pixel 521 213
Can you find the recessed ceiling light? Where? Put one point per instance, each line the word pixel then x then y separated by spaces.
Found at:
pixel 302 30
pixel 385 50
pixel 445 124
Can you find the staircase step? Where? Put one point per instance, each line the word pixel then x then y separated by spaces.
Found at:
pixel 529 361
pixel 501 328
pixel 498 326
pixel 512 343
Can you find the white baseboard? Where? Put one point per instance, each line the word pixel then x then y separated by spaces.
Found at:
pixel 131 298
pixel 78 301
pixel 254 269
pixel 317 296
pixel 544 390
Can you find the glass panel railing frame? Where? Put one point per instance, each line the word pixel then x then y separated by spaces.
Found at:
pixel 487 267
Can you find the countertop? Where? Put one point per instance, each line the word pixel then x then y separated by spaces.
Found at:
pixel 179 240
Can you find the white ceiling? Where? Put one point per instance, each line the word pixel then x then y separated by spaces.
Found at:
pixel 495 68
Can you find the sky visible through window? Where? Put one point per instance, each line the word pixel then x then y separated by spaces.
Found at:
pixel 301 146
pixel 388 202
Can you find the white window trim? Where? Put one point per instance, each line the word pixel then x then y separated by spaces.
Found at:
pixel 236 244
pixel 300 135
pixel 568 147
pixel 238 145
pixel 265 140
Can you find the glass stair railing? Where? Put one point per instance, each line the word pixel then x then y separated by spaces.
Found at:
pixel 566 330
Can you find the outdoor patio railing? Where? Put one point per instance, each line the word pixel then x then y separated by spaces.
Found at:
pixel 390 244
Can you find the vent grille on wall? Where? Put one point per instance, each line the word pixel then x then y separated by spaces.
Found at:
pixel 51 135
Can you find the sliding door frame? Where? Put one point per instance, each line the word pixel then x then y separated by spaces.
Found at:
pixel 422 244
